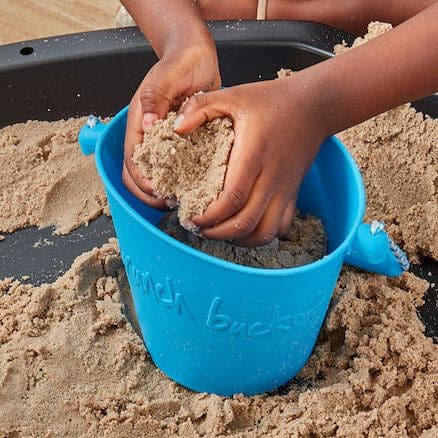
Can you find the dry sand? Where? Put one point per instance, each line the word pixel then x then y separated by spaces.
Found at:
pixel 189 169
pixel 305 243
pixel 398 157
pixel 45 180
pixel 70 365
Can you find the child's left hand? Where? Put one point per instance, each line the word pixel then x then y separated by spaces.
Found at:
pixel 279 127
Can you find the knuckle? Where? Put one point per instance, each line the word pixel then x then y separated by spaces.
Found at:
pixel 214 83
pixel 197 101
pixel 245 225
pixel 264 236
pixel 236 198
pixel 151 94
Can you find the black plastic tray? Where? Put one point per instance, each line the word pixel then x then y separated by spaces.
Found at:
pixel 97 72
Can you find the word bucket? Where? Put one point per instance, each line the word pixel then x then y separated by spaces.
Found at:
pixel 218 327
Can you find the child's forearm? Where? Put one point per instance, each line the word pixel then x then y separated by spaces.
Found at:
pixel 398 67
pixel 350 15
pixel 169 24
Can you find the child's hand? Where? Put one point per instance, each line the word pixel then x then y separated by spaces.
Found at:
pixel 279 129
pixel 178 75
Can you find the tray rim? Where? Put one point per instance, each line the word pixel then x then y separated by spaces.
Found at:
pixel 314 37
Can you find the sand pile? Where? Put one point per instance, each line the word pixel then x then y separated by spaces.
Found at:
pixel 70 365
pixel 190 168
pixel 398 157
pixel 44 178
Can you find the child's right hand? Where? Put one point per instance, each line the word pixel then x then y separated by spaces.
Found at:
pixel 180 73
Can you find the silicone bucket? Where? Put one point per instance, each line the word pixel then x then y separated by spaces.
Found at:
pixel 218 327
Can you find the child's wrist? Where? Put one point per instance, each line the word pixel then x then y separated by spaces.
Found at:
pixel 333 107
pixel 194 37
pixel 312 91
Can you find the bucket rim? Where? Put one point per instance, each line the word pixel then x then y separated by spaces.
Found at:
pixel 242 269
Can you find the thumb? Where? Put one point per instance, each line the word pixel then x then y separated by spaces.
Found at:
pixel 201 108
pixel 157 92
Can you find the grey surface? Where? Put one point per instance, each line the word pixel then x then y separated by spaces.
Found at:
pixel 428 269
pixel 43 256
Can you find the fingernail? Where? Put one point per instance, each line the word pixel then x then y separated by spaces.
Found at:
pixel 171 202
pixel 178 121
pixel 149 119
pixel 190 226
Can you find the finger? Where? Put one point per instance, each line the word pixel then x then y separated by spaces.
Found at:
pixel 143 183
pixel 244 167
pixel 129 183
pixel 202 108
pixel 268 227
pixel 286 221
pixel 154 201
pixel 134 129
pixel 133 137
pixel 247 219
pixel 157 92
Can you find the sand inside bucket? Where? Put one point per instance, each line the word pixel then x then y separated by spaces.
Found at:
pixel 70 364
pixel 305 243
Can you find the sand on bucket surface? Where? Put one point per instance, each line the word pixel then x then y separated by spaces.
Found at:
pixel 70 364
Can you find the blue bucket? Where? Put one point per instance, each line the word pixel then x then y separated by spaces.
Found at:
pixel 223 328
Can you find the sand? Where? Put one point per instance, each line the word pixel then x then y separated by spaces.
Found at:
pixel 398 157
pixel 189 169
pixel 42 167
pixel 305 243
pixel 70 364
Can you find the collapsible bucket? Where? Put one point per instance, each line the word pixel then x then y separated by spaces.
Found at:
pixel 224 328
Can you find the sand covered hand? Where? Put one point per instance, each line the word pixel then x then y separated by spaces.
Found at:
pixel 187 64
pixel 277 136
pixel 166 85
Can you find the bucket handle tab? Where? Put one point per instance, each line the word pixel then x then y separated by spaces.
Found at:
pixel 89 134
pixel 374 251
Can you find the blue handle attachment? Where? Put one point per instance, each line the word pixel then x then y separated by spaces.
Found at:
pixel 89 134
pixel 374 251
